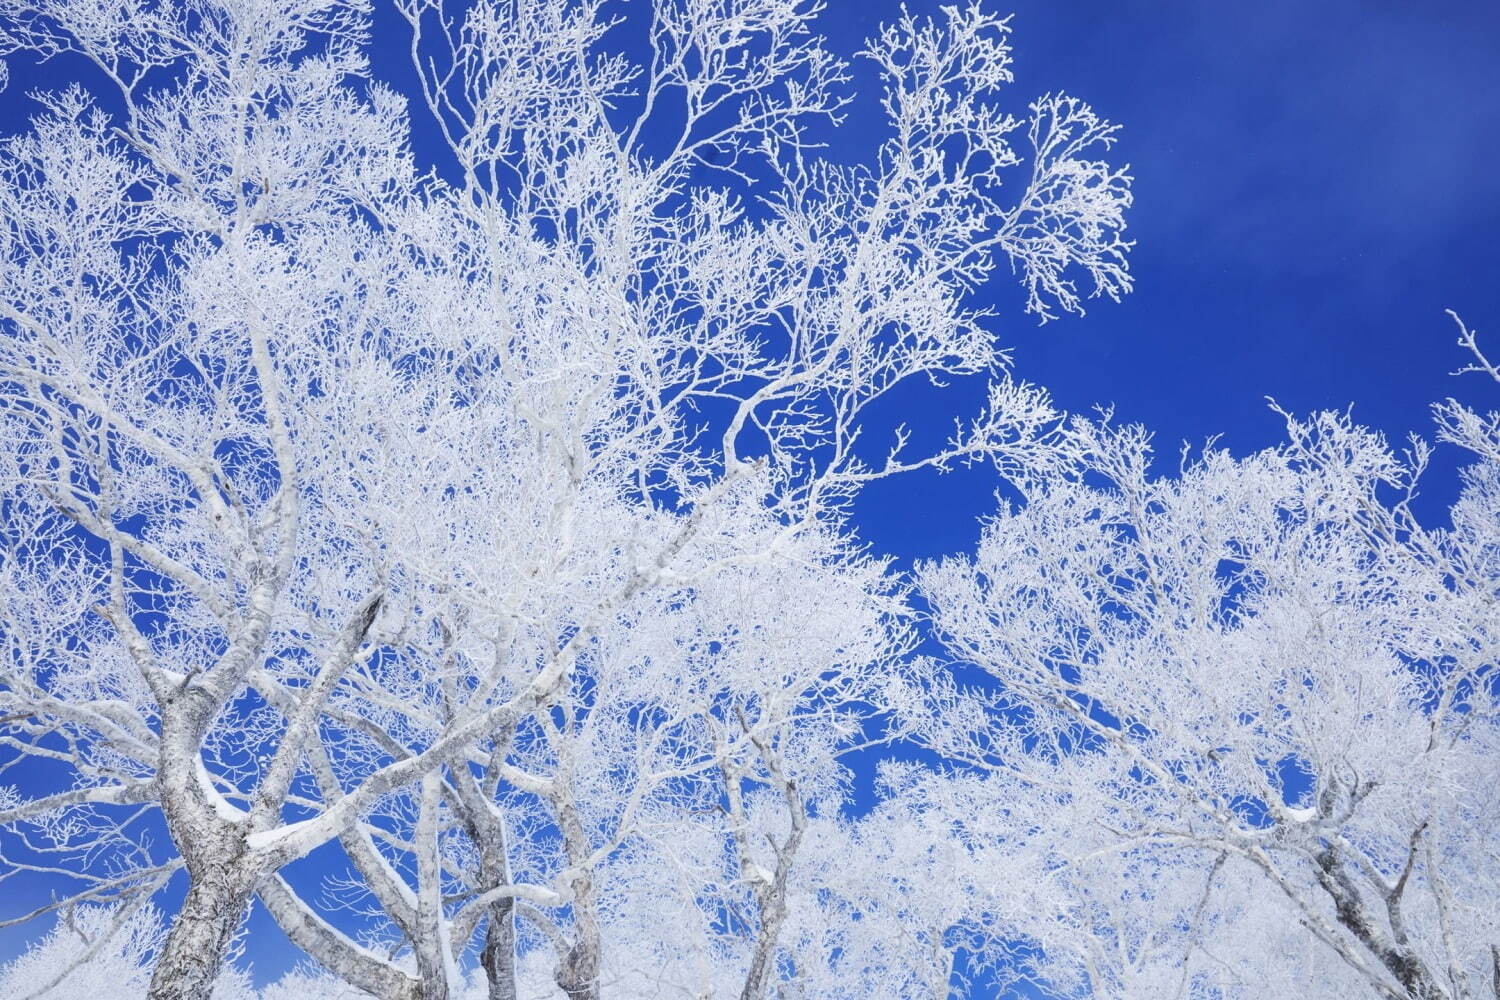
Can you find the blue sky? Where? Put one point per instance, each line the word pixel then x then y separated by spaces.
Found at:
pixel 1315 184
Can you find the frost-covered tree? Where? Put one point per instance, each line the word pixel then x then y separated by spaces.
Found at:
pixel 1240 726
pixel 91 951
pixel 486 520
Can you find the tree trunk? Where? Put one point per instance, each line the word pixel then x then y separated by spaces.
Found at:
pixel 1401 960
pixel 195 947
pixel 486 830
pixel 578 975
pixel 432 971
pixel 499 954
pixel 221 875
pixel 770 898
pixel 430 947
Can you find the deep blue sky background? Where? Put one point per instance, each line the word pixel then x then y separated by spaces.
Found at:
pixel 1315 183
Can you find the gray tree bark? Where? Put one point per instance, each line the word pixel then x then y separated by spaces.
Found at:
pixel 577 974
pixel 499 954
pixel 487 832
pixel 771 899
pixel 1399 959
pixel 194 951
pixel 221 872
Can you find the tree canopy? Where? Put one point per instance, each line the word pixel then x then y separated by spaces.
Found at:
pixel 449 550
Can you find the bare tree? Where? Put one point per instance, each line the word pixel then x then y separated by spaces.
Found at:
pixel 1254 696
pixel 351 503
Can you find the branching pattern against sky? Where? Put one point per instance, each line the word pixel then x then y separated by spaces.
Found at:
pixel 576 498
